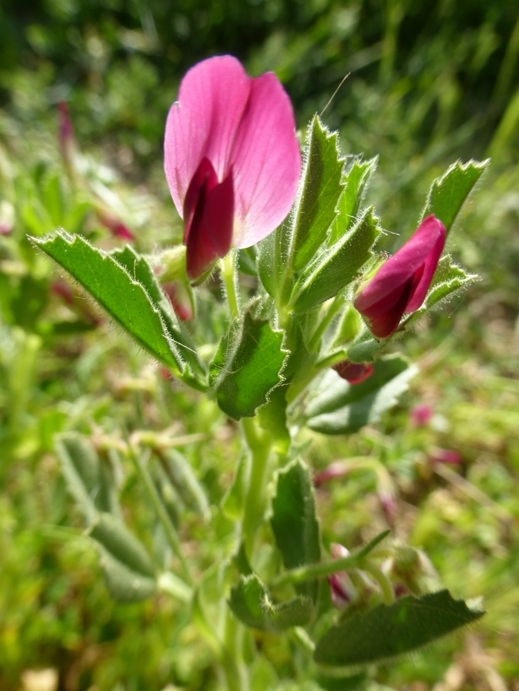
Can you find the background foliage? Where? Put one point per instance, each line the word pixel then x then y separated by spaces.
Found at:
pixel 427 85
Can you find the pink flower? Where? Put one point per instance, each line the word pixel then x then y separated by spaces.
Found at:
pixel 401 284
pixel 231 159
pixel 179 300
pixel 335 470
pixel 114 224
pixel 421 414
pixel 354 372
pixel 445 456
pixel 67 142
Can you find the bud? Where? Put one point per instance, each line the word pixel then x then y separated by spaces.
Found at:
pixel 180 300
pixel 421 414
pixel 335 470
pixel 354 372
pixel 355 588
pixel 67 143
pixel 445 456
pixel 114 224
pixel 411 571
pixel 402 282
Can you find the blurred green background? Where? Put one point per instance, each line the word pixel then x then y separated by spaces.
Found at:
pixel 428 83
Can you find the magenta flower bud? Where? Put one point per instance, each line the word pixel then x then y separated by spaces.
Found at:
pixel 401 284
pixel 114 224
pixel 62 289
pixel 421 414
pixel 354 372
pixel 445 456
pixel 342 590
pixel 231 159
pixel 66 139
pixel 388 504
pixel 335 470
pixel 5 227
pixel 179 300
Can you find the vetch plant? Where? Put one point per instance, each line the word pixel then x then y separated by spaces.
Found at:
pixel 296 343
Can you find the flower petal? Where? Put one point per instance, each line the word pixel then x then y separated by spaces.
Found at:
pixel 434 231
pixel 266 162
pixel 203 123
pixel 209 212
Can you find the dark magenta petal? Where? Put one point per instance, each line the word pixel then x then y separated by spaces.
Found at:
pixel 208 214
pixel 203 178
pixel 219 215
pixel 383 317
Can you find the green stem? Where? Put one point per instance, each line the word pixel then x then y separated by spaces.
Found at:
pixel 229 276
pixel 303 640
pixel 169 528
pixel 259 444
pixel 332 310
pixel 325 568
pixel 174 586
pixel 232 659
pixel 382 580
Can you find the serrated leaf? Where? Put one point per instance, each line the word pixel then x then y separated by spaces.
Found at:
pixel 251 366
pixel 234 499
pixel 127 566
pixel 251 603
pixel 388 631
pixel 320 189
pixel 273 418
pixel 448 279
pixel 355 180
pixel 342 408
pixel 448 193
pixel 120 294
pixel 141 271
pixel 338 266
pixel 294 522
pixel 89 484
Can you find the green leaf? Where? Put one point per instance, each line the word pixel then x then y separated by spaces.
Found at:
pixel 338 266
pixel 388 631
pixel 320 191
pixel 234 499
pixel 273 418
pixel 356 682
pixel 250 368
pixel 182 476
pixel 448 279
pixel 119 293
pixel 251 603
pixel 294 522
pixel 127 567
pixel 355 180
pixel 342 408
pixel 89 482
pixel 449 192
pixel 141 271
